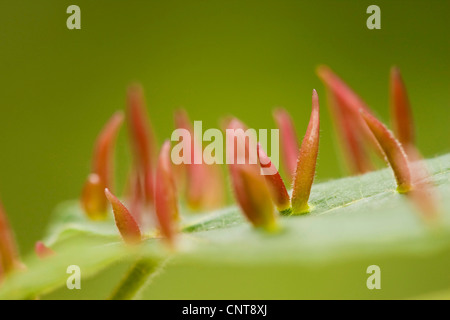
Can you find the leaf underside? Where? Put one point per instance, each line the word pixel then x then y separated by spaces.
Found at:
pixel 354 221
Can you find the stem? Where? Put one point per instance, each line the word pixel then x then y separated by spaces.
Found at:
pixel 139 275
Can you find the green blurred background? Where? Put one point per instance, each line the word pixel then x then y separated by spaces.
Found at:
pixel 215 58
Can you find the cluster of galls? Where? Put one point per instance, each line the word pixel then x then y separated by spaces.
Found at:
pixel 152 198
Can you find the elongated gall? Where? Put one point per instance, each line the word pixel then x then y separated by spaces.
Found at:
pixel 233 126
pixel 93 199
pixel 104 146
pixel 214 192
pixel 204 182
pixel 249 186
pixel 9 256
pixel 126 224
pixel 341 90
pixel 423 194
pixel 142 139
pixel 257 206
pixel 394 153
pixel 166 203
pixel 401 114
pixel 350 101
pixel 289 141
pixel 350 140
pixel 135 196
pixel 306 164
pixel 276 185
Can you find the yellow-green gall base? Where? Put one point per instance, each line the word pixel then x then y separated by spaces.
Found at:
pixel 302 210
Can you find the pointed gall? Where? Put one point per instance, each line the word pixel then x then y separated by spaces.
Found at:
pixel 135 196
pixel 257 206
pixel 235 132
pixel 249 186
pixel 196 174
pixel 401 113
pixel 204 182
pixel 9 256
pixel 93 198
pixel 142 139
pixel 289 144
pixel 306 164
pixel 2 272
pixel 276 185
pixel 349 100
pixel 241 143
pixel 341 90
pixel 103 158
pixel 395 155
pixel 166 203
pixel 128 228
pixel 423 193
pixel 42 251
pixel 214 192
pixel 350 141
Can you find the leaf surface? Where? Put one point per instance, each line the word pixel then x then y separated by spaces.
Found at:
pixel 353 218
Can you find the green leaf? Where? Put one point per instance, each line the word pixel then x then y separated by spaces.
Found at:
pixel 355 222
